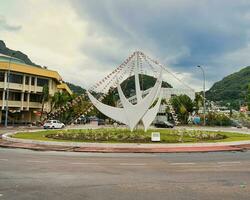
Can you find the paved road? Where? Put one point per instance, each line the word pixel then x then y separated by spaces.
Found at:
pixel 26 175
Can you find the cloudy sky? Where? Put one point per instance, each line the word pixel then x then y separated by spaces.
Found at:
pixel 85 39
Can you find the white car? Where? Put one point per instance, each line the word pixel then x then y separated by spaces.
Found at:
pixel 53 124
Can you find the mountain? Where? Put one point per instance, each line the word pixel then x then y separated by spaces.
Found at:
pixel 76 88
pixel 231 89
pixel 17 54
pixel 146 82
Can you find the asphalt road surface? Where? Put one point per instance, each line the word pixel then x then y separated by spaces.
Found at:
pixel 26 175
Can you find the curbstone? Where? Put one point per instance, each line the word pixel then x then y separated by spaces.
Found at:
pixel 7 137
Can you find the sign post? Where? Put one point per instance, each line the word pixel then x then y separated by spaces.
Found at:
pixel 155 137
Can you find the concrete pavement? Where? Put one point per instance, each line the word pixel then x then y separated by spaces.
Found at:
pixel 26 175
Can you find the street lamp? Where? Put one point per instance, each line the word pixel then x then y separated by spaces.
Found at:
pixel 7 93
pixel 204 95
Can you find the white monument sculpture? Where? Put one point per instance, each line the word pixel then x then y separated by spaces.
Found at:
pixel 131 114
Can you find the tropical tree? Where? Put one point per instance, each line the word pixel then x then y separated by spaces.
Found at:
pixel 109 99
pixel 45 98
pixel 183 107
pixel 198 101
pixel 248 97
pixel 60 99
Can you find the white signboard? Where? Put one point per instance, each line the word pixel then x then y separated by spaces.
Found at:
pixel 155 137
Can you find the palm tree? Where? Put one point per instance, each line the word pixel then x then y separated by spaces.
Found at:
pixel 59 99
pixel 183 106
pixel 198 101
pixel 45 98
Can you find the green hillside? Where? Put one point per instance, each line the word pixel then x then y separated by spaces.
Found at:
pixel 128 85
pixel 146 82
pixel 17 54
pixel 76 88
pixel 231 89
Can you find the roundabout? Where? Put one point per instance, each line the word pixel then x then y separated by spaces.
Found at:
pixel 121 140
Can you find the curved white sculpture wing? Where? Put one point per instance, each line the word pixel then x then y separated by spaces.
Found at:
pixel 150 115
pixel 130 114
pixel 110 111
pixel 135 112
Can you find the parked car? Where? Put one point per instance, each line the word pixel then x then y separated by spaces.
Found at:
pixel 101 122
pixel 236 124
pixel 52 124
pixel 164 124
pixel 81 120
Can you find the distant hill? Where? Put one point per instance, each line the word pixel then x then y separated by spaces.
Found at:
pixel 18 54
pixel 232 88
pixel 128 85
pixel 146 82
pixel 76 88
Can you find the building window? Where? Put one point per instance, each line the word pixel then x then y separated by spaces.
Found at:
pixel 1 95
pixel 14 96
pixel 2 76
pixel 25 97
pixel 32 80
pixel 35 97
pixel 27 78
pixel 42 81
pixel 16 78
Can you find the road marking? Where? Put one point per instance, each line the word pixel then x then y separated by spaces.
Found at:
pixel 190 163
pixel 132 164
pixel 81 163
pixel 36 161
pixel 3 159
pixel 232 162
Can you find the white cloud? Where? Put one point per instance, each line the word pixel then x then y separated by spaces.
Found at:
pixel 85 40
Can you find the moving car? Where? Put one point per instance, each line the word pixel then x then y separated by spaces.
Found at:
pixel 52 124
pixel 164 124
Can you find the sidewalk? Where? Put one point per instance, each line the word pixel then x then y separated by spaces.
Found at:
pixel 127 149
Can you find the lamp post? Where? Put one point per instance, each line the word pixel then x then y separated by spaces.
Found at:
pixel 7 93
pixel 204 95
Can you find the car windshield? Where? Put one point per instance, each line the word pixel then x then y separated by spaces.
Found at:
pixel 49 121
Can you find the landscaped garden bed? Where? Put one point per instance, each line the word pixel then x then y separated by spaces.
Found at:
pixel 111 135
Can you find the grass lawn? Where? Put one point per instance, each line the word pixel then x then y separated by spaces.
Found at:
pixel 111 135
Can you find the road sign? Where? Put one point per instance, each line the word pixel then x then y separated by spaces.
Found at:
pixel 155 137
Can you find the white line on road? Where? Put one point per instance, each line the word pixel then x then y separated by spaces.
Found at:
pixel 232 162
pixel 132 164
pixel 82 163
pixel 190 163
pixel 3 159
pixel 36 161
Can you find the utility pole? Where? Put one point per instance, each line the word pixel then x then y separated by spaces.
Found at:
pixel 7 93
pixel 204 93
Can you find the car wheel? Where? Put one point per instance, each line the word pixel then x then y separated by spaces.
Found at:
pixel 53 127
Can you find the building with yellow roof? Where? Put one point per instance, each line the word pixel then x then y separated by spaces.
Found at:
pixel 25 89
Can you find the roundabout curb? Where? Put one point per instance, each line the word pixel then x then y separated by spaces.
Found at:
pixel 9 142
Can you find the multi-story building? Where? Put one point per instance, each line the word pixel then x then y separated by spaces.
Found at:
pixel 25 89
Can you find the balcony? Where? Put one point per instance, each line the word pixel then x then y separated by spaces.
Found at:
pixel 15 104
pixel 35 105
pixel 18 104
